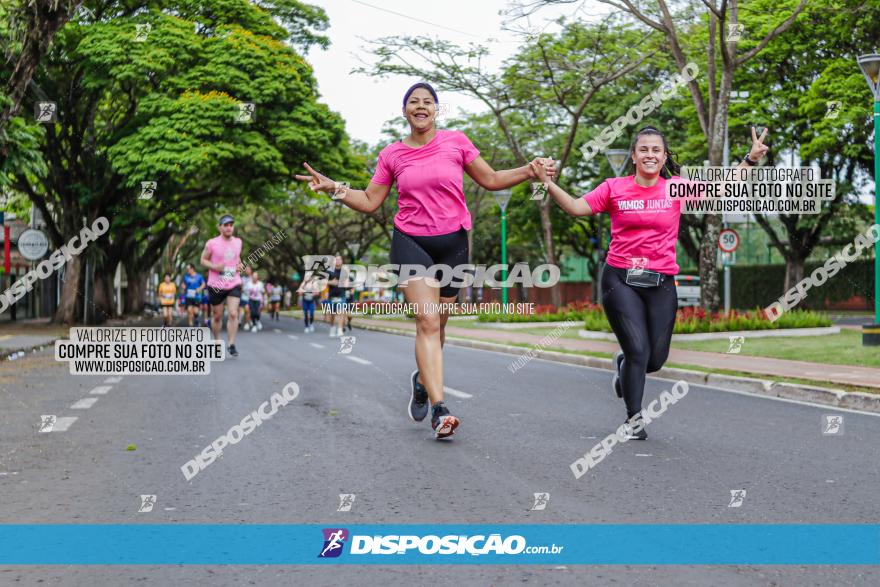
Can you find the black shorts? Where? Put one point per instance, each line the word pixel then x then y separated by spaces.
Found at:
pixel 193 302
pixel 218 296
pixel 443 249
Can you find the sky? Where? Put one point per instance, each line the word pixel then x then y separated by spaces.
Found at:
pixel 366 103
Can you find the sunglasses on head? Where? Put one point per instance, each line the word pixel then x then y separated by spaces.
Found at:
pixel 228 224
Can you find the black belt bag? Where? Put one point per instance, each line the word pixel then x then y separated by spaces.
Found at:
pixel 643 278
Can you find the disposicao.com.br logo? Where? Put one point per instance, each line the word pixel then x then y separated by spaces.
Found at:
pixel 429 544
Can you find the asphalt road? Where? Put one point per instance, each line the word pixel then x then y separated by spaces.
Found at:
pixel 348 432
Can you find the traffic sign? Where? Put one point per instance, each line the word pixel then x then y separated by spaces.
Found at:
pixel 728 240
pixel 33 244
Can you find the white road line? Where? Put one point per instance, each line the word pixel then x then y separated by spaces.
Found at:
pixel 293 336
pixel 456 393
pixel 316 345
pixel 276 330
pixel 84 404
pixel 113 380
pixel 358 360
pixel 62 424
pixel 101 389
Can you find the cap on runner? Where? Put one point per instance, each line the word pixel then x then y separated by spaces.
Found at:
pixel 226 219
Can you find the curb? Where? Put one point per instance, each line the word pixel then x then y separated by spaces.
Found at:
pixel 725 335
pixel 838 398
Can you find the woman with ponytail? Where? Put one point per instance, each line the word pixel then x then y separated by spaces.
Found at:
pixel 638 281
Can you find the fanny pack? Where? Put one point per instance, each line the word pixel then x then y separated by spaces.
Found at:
pixel 643 278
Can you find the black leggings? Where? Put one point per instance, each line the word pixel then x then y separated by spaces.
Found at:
pixel 443 249
pixel 642 319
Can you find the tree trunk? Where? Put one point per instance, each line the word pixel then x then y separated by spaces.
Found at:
pixel 104 306
pixel 794 272
pixel 68 311
pixel 547 231
pixel 135 290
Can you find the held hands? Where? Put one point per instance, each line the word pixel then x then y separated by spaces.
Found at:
pixel 318 182
pixel 543 169
pixel 759 149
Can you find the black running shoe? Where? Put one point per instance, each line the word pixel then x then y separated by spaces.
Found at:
pixel 443 423
pixel 232 350
pixel 418 402
pixel 615 379
pixel 629 428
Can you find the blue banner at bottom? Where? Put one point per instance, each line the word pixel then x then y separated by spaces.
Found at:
pixel 601 544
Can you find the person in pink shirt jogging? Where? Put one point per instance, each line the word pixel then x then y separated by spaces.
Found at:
pixel 430 228
pixel 638 281
pixel 222 258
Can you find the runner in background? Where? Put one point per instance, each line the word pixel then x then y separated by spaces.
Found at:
pixel 222 257
pixel 274 292
pixel 245 299
pixel 167 293
pixel 288 298
pixel 309 290
pixel 337 296
pixel 194 285
pixel 255 292
pixel 206 308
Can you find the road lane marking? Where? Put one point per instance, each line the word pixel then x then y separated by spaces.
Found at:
pixel 293 336
pixel 316 345
pixel 276 330
pixel 456 393
pixel 101 389
pixel 62 424
pixel 358 360
pixel 113 380
pixel 84 404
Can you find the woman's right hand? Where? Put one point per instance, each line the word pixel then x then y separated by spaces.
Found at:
pixel 318 182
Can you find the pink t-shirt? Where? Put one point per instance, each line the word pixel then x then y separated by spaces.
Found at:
pixel 644 223
pixel 228 252
pixel 429 183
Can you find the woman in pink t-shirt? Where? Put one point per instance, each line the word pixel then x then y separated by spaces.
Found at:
pixel 638 280
pixel 430 229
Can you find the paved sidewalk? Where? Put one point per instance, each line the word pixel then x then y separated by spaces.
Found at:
pixel 839 374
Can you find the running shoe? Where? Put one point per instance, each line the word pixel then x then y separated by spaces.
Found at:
pixel 232 350
pixel 629 430
pixel 443 423
pixel 418 402
pixel 615 379
pixel 247 326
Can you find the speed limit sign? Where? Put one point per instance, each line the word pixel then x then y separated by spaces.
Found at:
pixel 728 240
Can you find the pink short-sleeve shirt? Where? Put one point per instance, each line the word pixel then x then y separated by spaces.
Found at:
pixel 644 223
pixel 429 183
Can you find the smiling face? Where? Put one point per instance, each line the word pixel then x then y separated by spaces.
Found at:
pixel 649 155
pixel 420 110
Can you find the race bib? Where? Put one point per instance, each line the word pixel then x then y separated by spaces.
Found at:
pixel 168 297
pixel 308 297
pixel 229 273
pixel 191 293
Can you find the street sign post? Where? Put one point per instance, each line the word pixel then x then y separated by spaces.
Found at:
pixel 503 197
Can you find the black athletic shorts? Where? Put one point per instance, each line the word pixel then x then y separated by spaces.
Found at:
pixel 194 302
pixel 218 296
pixel 443 249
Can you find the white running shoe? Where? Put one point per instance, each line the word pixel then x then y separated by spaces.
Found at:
pixel 247 326
pixel 259 325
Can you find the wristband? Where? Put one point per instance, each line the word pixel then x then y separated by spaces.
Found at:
pixel 749 162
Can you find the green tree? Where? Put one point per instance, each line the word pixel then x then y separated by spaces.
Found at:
pixel 163 103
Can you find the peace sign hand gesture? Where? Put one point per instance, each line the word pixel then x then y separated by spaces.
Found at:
pixel 759 149
pixel 318 182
